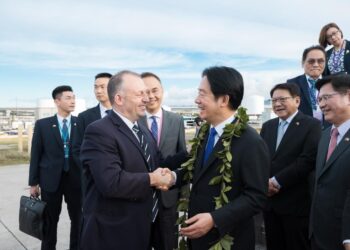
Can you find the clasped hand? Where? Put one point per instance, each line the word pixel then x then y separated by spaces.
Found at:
pixel 162 179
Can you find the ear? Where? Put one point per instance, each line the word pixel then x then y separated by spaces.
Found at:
pixel 297 100
pixel 225 99
pixel 118 99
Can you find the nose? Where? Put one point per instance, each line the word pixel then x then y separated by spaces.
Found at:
pixel 197 101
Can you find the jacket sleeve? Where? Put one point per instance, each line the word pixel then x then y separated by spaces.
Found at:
pixel 35 155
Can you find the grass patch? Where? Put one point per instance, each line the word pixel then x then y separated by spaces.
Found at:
pixel 9 154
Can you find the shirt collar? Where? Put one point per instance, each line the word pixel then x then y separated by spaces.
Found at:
pixel 128 123
pixel 309 77
pixel 220 127
pixel 157 114
pixel 60 119
pixel 289 119
pixel 343 128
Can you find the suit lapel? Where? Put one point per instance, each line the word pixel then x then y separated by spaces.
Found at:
pixel 56 130
pixel 97 112
pixel 322 152
pixel 305 88
pixel 343 145
pixel 165 128
pixel 290 132
pixel 273 138
pixel 72 129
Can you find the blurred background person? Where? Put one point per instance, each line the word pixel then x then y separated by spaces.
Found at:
pixel 338 57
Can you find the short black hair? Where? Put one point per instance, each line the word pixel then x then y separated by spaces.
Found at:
pixel 313 47
pixel 340 83
pixel 150 74
pixel 226 81
pixel 292 88
pixel 57 92
pixel 103 75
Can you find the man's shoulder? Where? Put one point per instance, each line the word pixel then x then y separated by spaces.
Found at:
pixel 88 112
pixel 172 115
pixel 270 122
pixel 297 79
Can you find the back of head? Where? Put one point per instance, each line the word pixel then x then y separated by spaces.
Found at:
pixel 57 92
pixel 226 81
pixel 340 83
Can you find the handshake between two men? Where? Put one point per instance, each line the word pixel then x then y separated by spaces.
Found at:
pixel 162 178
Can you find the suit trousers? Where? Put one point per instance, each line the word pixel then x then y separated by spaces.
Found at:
pixel 72 196
pixel 286 232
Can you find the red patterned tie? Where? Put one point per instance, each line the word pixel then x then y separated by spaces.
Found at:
pixel 333 142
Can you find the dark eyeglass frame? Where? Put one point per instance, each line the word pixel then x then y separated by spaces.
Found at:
pixel 326 97
pixel 280 99
pixel 334 33
pixel 320 61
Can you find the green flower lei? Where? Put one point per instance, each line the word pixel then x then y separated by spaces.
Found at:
pixel 224 178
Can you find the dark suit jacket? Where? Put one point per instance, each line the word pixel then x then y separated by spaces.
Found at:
pixel 118 202
pixel 47 155
pixel 250 167
pixel 330 212
pixel 172 141
pixel 292 163
pixel 84 119
pixel 346 59
pixel 305 101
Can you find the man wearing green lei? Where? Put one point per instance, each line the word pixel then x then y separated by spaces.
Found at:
pixel 228 167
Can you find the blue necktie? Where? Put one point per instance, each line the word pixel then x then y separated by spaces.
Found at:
pixel 65 138
pixel 280 132
pixel 313 93
pixel 154 128
pixel 210 144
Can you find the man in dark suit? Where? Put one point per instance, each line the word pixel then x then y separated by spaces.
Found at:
pixel 168 130
pixel 313 62
pixel 118 156
pixel 52 171
pixel 219 95
pixel 330 211
pixel 292 139
pixel 90 115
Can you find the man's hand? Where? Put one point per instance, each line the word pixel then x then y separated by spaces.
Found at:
pixel 273 189
pixel 198 226
pixel 34 191
pixel 161 178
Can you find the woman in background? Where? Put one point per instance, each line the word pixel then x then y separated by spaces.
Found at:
pixel 338 57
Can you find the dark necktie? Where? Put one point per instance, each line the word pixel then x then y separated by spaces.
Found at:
pixel 210 144
pixel 144 146
pixel 65 139
pixel 313 93
pixel 332 143
pixel 154 128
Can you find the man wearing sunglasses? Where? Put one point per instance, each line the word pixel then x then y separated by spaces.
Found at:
pixel 313 63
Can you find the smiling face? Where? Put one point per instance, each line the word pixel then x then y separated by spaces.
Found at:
pixel 336 109
pixel 155 94
pixel 283 104
pixel 132 98
pixel 209 107
pixel 314 63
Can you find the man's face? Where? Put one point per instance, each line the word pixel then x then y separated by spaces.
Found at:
pixel 209 108
pixel 66 102
pixel 334 105
pixel 155 94
pixel 131 100
pixel 283 104
pixel 314 63
pixel 100 89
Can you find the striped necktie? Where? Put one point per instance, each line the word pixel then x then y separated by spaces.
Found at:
pixel 313 93
pixel 154 128
pixel 144 145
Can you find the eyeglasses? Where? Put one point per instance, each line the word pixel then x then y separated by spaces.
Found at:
pixel 325 97
pixel 319 61
pixel 334 33
pixel 280 99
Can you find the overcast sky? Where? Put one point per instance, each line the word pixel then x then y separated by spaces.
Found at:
pixel 44 44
